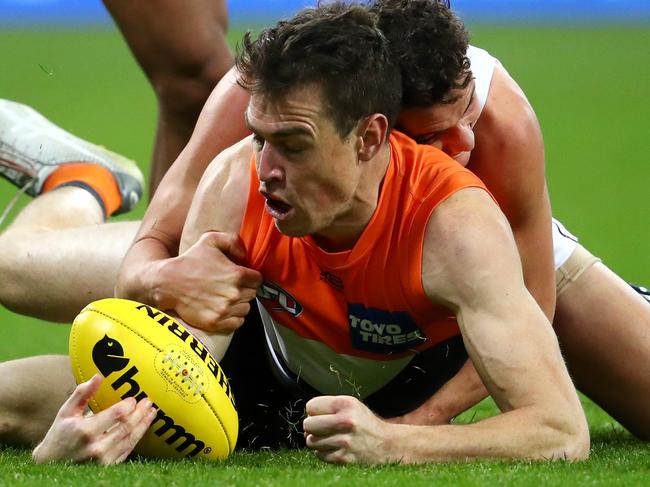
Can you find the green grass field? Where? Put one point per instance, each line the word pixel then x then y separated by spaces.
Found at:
pixel 589 87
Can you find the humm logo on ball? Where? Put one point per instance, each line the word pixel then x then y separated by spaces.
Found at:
pixel 108 355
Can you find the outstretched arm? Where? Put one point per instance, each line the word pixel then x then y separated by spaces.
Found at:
pixel 474 269
pixel 509 159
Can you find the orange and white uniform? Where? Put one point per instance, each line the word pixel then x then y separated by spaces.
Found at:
pixel 352 322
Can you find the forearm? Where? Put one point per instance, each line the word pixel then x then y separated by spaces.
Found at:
pixel 525 433
pixel 535 247
pixel 159 234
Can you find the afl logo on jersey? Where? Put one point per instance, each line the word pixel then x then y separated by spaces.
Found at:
pixel 278 299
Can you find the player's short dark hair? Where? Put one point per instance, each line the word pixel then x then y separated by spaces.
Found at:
pixel 337 46
pixel 430 44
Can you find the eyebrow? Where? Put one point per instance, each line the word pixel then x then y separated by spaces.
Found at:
pixel 285 132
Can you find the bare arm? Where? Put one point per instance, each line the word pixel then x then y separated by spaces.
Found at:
pixel 509 158
pixel 473 269
pixel 511 343
pixel 148 274
pixel 210 234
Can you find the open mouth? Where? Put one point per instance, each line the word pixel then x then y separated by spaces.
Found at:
pixel 277 208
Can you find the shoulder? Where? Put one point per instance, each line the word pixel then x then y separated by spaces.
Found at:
pixel 467 242
pixel 508 113
pixel 228 173
pixel 509 152
pixel 220 199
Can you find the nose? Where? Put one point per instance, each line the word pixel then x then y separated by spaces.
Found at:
pixel 269 167
pixel 457 139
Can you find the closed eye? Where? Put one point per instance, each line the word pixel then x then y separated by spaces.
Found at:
pixel 258 140
pixel 427 139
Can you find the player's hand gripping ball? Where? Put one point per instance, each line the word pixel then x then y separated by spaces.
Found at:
pixel 142 352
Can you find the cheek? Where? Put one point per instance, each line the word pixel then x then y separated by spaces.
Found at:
pixel 339 178
pixel 457 140
pixel 463 158
pixel 328 181
pixel 468 138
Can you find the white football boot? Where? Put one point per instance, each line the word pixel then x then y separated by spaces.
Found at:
pixel 32 147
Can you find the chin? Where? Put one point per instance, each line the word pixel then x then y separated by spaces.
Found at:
pixel 286 228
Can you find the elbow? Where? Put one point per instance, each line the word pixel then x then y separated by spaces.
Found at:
pixel 576 446
pixel 579 445
pixel 569 434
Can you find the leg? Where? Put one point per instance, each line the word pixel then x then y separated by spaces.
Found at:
pixel 33 389
pixel 56 257
pixel 181 47
pixel 604 330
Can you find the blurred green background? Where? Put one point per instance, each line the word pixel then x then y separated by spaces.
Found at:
pixel 588 85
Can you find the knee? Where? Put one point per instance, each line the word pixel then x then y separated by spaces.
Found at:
pixel 11 266
pixel 31 392
pixel 19 432
pixel 19 426
pixel 184 86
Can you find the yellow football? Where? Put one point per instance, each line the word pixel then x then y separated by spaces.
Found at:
pixel 142 352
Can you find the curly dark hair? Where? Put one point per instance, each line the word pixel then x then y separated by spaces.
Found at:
pixel 430 44
pixel 337 46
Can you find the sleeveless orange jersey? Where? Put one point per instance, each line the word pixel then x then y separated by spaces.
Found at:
pixel 350 322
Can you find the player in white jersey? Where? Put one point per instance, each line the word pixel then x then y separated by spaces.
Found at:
pixel 483 65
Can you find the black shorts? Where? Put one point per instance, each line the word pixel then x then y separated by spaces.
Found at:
pixel 271 400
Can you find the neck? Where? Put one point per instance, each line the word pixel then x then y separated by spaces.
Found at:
pixel 345 230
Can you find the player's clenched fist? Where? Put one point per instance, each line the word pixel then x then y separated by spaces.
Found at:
pixel 341 429
pixel 205 286
pixel 107 437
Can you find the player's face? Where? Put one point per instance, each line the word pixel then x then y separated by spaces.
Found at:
pixel 447 126
pixel 308 173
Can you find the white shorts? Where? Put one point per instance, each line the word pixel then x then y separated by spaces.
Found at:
pixel 564 243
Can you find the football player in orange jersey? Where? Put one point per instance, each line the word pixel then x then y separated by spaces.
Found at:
pixel 205 144
pixel 321 183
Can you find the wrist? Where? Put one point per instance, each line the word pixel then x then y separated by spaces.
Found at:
pixel 398 442
pixel 150 285
pixel 140 283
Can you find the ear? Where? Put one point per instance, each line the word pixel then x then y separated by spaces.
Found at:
pixel 371 136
